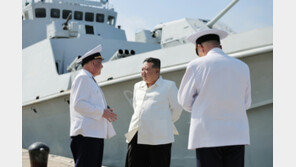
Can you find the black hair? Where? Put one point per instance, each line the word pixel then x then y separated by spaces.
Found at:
pixel 155 61
pixel 208 37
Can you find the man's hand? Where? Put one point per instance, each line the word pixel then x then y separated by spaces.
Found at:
pixel 109 115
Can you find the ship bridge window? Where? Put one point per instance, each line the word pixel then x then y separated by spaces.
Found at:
pixel 111 20
pixel 89 16
pixel 89 29
pixel 78 15
pixel 40 12
pixel 55 13
pixel 66 13
pixel 100 18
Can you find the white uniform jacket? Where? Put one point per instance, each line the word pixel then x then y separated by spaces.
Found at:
pixel 155 110
pixel 87 104
pixel 216 89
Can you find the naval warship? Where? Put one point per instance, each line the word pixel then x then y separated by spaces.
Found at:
pixel 57 32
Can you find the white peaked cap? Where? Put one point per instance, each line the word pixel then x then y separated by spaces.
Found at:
pixel 206 31
pixel 97 49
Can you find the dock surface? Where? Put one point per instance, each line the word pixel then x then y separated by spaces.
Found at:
pixel 53 160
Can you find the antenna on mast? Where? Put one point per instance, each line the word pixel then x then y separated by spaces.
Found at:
pixel 215 19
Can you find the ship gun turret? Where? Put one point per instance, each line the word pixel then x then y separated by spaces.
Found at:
pixel 65 30
pixel 176 32
pixel 65 25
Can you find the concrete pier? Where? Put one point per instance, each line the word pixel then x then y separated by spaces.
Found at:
pixel 53 160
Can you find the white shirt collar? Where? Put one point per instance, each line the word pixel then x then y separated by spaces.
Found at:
pixel 157 83
pixel 88 73
pixel 215 50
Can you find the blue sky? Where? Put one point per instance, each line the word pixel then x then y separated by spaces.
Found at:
pixel 135 15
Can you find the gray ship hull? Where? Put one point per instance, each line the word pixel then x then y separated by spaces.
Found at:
pixel 48 120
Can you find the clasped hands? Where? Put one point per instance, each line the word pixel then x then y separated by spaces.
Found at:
pixel 109 115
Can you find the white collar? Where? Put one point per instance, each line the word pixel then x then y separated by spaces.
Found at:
pixel 157 83
pixel 215 50
pixel 87 73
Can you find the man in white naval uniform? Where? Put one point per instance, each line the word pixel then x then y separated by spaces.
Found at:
pixel 216 90
pixel 90 117
pixel 151 131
